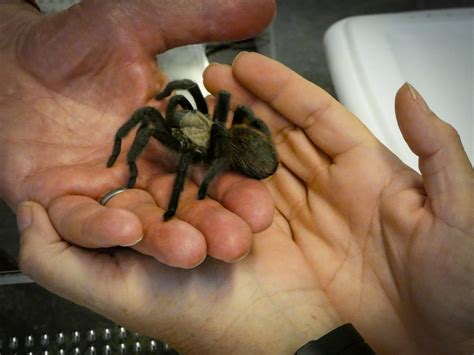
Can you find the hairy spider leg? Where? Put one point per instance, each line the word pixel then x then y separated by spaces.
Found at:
pixel 174 102
pixel 137 117
pixel 189 85
pixel 153 125
pixel 222 107
pixel 220 152
pixel 245 115
pixel 158 130
pixel 220 143
pixel 184 160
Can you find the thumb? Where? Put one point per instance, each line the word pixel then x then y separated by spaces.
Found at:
pixel 156 25
pixel 58 266
pixel 94 35
pixel 40 244
pixel 165 24
pixel 446 170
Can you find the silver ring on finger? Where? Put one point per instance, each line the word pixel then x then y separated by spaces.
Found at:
pixel 112 193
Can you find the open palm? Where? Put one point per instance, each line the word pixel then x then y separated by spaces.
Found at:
pixel 357 237
pixel 69 82
pixel 392 251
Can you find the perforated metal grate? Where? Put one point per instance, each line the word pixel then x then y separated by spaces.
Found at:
pixel 106 341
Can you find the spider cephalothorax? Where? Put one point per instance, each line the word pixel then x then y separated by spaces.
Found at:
pixel 246 147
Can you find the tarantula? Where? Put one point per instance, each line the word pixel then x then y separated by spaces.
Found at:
pixel 246 147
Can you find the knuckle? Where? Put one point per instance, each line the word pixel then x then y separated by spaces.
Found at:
pixel 450 131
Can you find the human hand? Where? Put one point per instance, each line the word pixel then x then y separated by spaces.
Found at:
pixel 349 242
pixel 69 81
pixel 392 250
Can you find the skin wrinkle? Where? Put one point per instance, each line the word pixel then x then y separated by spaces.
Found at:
pixel 279 220
pixel 410 256
pixel 331 204
pixel 390 258
pixel 23 31
pixel 382 285
pixel 294 209
pixel 315 115
pixel 396 283
pixel 28 51
pixel 309 191
pixel 336 272
pixel 92 52
pixel 361 288
pixel 51 95
pixel 311 182
pixel 282 134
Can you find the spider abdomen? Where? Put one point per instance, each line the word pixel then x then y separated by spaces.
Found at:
pixel 252 152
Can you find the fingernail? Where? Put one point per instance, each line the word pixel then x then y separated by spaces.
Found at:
pixel 240 258
pixel 212 64
pixel 134 243
pixel 24 215
pixel 237 56
pixel 416 96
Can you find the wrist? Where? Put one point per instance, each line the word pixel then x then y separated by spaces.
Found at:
pixel 287 329
pixel 278 324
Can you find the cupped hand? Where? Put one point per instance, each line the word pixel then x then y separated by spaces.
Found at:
pixel 70 80
pixel 393 251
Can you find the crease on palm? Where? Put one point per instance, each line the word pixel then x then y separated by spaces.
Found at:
pixel 301 209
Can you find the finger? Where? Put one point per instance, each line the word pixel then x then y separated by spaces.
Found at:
pixel 447 172
pixel 83 221
pixel 86 277
pixel 326 122
pixel 247 198
pixel 175 242
pixel 297 152
pixel 228 237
